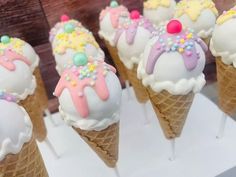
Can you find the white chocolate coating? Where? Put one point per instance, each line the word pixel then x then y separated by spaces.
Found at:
pixel 15 128
pixel 19 82
pixel 160 14
pixel 170 72
pixel 102 114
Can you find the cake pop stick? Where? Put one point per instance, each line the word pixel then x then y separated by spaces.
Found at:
pixel 172 150
pixel 117 172
pixel 49 116
pixel 222 126
pixel 127 87
pixel 172 71
pixel 52 148
pixel 145 113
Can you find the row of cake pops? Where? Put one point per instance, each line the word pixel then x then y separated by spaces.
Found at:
pixel 21 83
pixel 164 61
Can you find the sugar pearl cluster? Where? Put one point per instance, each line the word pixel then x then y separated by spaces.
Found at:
pixel 183 42
pixel 88 71
pixel 12 43
pixel 7 97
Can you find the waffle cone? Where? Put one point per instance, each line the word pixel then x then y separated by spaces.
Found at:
pixel 116 59
pixel 226 77
pixel 105 143
pixel 171 110
pixel 40 90
pixel 207 40
pixel 27 163
pixel 32 107
pixel 139 90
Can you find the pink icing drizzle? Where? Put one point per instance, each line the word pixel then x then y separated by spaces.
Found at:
pixel 76 86
pixel 189 53
pixel 8 57
pixel 115 13
pixel 131 29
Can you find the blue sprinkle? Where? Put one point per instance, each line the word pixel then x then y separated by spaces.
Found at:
pixel 176 45
pixel 173 48
pixel 189 47
pixel 161 40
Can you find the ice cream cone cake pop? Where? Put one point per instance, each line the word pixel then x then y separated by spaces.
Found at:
pixel 59 26
pixel 17 80
pixel 171 70
pixel 25 49
pixel 111 18
pixel 199 15
pixel 223 48
pixel 158 11
pixel 131 40
pixel 19 154
pixel 89 96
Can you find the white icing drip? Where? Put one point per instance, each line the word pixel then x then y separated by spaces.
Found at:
pixel 90 124
pixel 226 57
pixel 8 147
pixel 107 37
pixel 205 33
pixel 181 87
pixel 35 64
pixel 27 92
pixel 129 63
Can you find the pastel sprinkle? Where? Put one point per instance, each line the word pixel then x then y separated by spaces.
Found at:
pixel 69 28
pixel 80 59
pixel 181 50
pixel 5 39
pixel 114 4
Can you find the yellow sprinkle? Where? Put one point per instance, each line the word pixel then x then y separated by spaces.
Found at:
pixel 194 8
pixel 182 41
pixel 226 16
pixel 74 41
pixel 153 4
pixel 190 35
pixel 181 50
pixel 73 83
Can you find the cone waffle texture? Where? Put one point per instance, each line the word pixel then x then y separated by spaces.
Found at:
pixel 32 107
pixel 40 90
pixel 116 59
pixel 27 163
pixel 105 143
pixel 226 76
pixel 139 90
pixel 171 110
pixel 207 40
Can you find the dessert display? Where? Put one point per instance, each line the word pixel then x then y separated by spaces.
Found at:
pixel 18 80
pixel 23 48
pixel 89 95
pixel 112 18
pixel 199 15
pixel 71 39
pixel 223 48
pixel 171 70
pixel 159 11
pixel 162 52
pixel 19 154
pixel 130 41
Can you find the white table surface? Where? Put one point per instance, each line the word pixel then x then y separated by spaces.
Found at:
pixel 144 151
